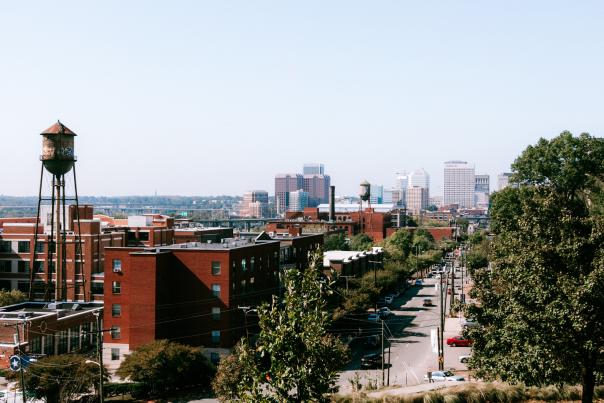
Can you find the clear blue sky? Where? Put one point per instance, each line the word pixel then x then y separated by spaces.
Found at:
pixel 200 98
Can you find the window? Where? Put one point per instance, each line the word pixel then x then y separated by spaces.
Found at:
pixel 116 332
pixel 116 310
pixel 62 342
pixel 243 285
pixel 51 267
pixel 39 247
pixel 6 266
pixel 251 284
pixel 143 236
pixel 216 336
pixel 49 345
pixel 216 313
pixel 5 246
pixel 117 265
pixel 22 266
pixel 252 264
pixel 5 285
pixel 216 290
pixel 35 345
pixel 23 286
pixel 74 338
pixel 23 246
pixel 215 268
pixel 96 288
pixel 243 265
pixel 215 358
pixel 116 287
pixel 38 267
pixel 115 354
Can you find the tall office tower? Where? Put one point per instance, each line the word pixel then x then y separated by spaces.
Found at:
pixel 503 180
pixel 377 194
pixel 417 199
pixel 298 200
pixel 421 179
pixel 481 191
pixel 255 204
pixel 459 184
pixel 401 184
pixel 285 183
pixel 317 187
pixel 313 169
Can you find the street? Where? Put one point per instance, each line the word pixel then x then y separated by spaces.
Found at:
pixel 409 332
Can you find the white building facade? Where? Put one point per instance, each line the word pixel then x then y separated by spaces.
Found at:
pixel 459 184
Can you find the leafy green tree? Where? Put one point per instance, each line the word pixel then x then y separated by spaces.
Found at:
pixel 11 297
pixel 335 242
pixel 398 245
pixel 163 366
pixel 542 305
pixel 59 378
pixel 294 360
pixel 361 242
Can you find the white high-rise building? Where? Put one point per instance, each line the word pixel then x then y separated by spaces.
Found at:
pixel 459 183
pixel 419 178
pixel 482 190
pixel 298 200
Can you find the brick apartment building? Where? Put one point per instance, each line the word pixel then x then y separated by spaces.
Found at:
pixel 188 293
pixel 84 278
pixel 48 328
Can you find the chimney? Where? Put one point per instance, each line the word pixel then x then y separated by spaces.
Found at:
pixel 332 203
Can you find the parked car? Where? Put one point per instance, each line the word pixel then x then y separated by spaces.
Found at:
pixel 371 360
pixel 418 282
pixel 464 359
pixel 459 341
pixel 427 302
pixel 373 317
pixel 441 376
pixel 384 312
pixel 469 322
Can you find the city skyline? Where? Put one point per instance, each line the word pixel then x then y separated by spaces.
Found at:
pixel 365 89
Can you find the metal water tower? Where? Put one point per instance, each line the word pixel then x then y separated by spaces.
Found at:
pixel 58 159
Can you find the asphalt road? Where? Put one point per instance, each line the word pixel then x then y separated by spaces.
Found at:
pixel 410 335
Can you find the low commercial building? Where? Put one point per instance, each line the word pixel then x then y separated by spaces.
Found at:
pixel 43 329
pixel 352 263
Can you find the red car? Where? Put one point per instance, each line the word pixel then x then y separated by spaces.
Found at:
pixel 459 341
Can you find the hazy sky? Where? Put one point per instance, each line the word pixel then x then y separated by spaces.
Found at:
pixel 200 97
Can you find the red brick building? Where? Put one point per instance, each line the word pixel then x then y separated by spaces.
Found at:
pixel 189 293
pixel 22 267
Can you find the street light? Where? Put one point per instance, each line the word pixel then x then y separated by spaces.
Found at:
pixel 246 310
pixel 100 378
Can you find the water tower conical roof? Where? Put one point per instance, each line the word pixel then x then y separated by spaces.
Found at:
pixel 58 128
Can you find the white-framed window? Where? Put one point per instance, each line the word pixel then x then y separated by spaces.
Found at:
pixel 216 313
pixel 115 354
pixel 117 265
pixel 216 290
pixel 116 332
pixel 216 336
pixel 215 268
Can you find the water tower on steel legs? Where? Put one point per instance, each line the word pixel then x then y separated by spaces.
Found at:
pixel 364 195
pixel 58 159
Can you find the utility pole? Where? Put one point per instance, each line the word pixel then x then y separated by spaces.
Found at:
pixel 99 344
pixel 20 353
pixel 383 353
pixel 452 289
pixel 441 354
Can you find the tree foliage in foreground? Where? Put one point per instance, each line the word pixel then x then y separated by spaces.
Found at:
pixel 59 378
pixel 163 366
pixel 11 297
pixel 294 360
pixel 542 306
pixel 335 242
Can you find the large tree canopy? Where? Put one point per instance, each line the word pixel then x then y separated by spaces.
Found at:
pixel 294 359
pixel 542 305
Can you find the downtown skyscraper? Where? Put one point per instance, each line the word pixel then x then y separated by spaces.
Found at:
pixel 459 183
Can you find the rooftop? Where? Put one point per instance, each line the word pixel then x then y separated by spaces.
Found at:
pixel 31 310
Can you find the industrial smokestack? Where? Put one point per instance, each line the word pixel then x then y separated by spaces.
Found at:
pixel 332 203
